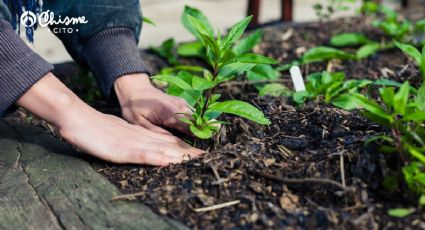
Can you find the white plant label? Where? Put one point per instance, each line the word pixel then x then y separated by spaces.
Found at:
pixel 297 78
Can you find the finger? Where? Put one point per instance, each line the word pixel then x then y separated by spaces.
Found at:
pixel 174 150
pixel 152 157
pixel 145 123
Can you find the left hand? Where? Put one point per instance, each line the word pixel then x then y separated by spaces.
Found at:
pixel 144 105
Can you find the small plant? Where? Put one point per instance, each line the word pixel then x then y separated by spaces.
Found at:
pixel 325 12
pixel 224 65
pixel 170 51
pixel 403 112
pixel 415 54
pixel 332 88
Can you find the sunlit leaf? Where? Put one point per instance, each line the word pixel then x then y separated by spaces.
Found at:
pixel 323 53
pixel 256 58
pixel 236 32
pixel 349 39
pixel 246 44
pixel 400 212
pixel 242 109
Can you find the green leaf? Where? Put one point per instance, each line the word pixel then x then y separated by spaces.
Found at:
pixel 345 101
pixel 236 32
pixel 189 11
pixel 418 155
pixel 231 69
pixel 323 53
pixel 241 109
pixel 187 121
pixel 149 21
pixel 202 133
pixel 372 107
pixel 201 84
pixel 367 50
pixel 420 99
pixel 416 116
pixel 300 97
pixel 167 51
pixel 174 80
pixel 401 97
pixel 379 138
pixel 262 72
pixel 422 200
pixel 248 43
pixel 410 51
pixel 275 90
pixel 387 95
pixel 200 27
pixel 256 58
pixel 191 49
pixel 349 39
pixel 400 212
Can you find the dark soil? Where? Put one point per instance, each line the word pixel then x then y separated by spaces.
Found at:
pixel 309 169
pixel 252 164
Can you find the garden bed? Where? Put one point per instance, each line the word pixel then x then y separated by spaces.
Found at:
pixel 269 175
pixel 271 172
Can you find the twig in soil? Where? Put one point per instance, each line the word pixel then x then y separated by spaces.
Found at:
pixel 301 181
pixel 131 196
pixel 217 175
pixel 341 166
pixel 217 206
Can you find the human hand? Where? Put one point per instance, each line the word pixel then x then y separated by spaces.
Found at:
pixel 144 105
pixel 103 136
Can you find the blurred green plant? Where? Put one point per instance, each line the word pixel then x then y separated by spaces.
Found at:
pixel 387 20
pixel 415 54
pixel 226 57
pixel 325 12
pixel 403 112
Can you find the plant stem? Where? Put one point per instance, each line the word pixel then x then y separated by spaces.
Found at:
pixel 209 93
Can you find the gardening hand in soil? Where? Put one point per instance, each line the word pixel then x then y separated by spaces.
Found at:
pixel 103 136
pixel 144 105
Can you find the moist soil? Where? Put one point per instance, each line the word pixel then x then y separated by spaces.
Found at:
pixel 309 169
pixel 272 172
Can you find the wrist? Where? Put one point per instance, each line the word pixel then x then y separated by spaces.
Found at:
pixel 52 101
pixel 128 86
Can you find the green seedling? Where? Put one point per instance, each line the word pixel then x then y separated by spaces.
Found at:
pixel 331 88
pixel 415 54
pixel 172 52
pixel 403 112
pixel 224 65
pixel 324 12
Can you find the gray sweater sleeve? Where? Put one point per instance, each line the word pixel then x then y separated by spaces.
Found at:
pixel 20 67
pixel 111 54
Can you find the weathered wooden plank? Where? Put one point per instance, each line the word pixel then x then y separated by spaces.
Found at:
pixel 20 206
pixel 67 187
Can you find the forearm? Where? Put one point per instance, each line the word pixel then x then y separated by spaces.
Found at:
pixel 51 100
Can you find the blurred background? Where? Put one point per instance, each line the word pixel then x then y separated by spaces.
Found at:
pixel 166 14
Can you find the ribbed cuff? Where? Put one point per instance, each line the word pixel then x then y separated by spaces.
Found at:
pixel 111 54
pixel 20 67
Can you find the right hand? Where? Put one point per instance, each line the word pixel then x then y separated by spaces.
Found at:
pixel 103 136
